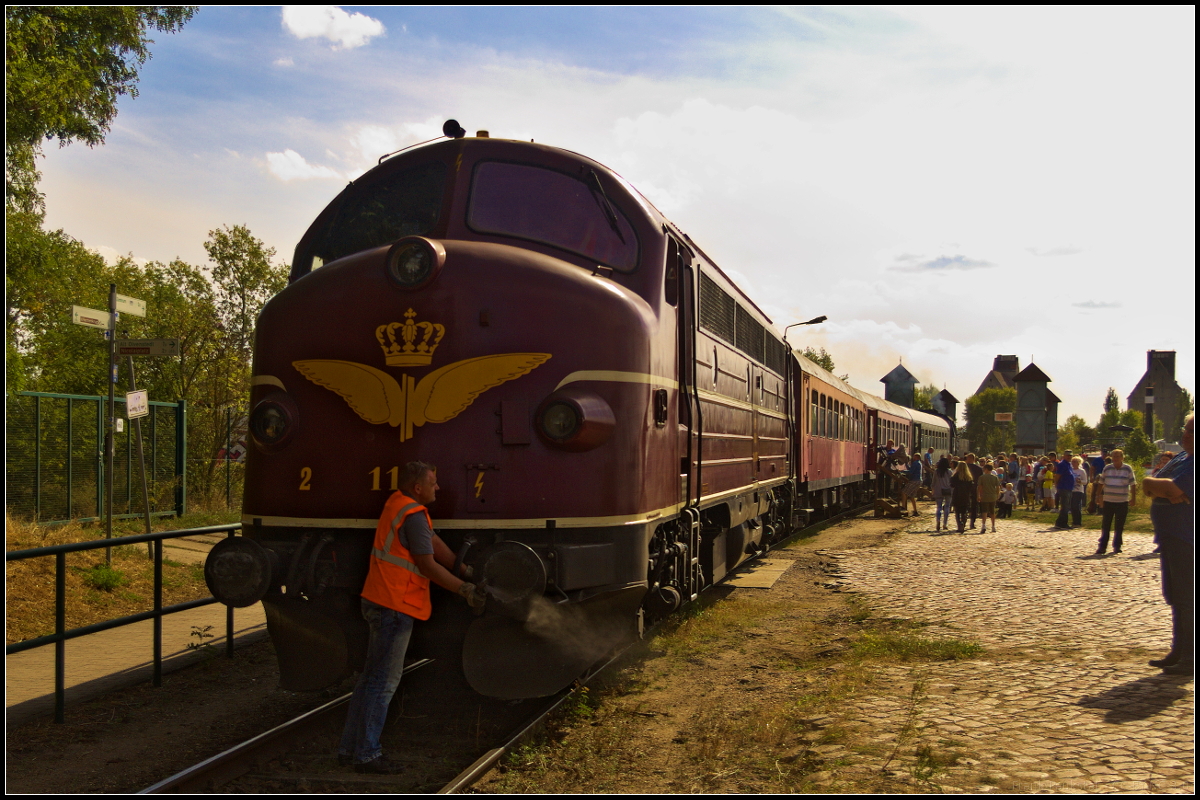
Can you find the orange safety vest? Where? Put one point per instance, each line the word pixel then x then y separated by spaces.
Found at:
pixel 394 581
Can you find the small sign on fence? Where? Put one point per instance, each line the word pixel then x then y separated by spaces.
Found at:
pixel 1004 416
pixel 137 404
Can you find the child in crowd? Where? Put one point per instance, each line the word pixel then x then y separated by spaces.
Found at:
pixel 1007 500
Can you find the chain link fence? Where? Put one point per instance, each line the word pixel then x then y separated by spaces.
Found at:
pixel 54 459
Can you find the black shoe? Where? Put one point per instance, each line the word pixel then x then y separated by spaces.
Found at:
pixel 1116 551
pixel 380 766
pixel 1100 552
pixel 1169 660
pixel 1182 668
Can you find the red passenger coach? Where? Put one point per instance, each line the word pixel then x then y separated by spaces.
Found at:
pixel 614 424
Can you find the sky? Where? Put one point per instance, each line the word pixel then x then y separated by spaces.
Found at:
pixel 944 184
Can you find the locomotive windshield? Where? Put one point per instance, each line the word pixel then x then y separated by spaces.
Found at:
pixel 553 208
pixel 405 203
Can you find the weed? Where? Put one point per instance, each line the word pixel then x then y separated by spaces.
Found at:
pixel 909 729
pixel 104 577
pixel 201 635
pixel 902 644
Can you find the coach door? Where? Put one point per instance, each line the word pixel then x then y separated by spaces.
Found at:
pixel 872 439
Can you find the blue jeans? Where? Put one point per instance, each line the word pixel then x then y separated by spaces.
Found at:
pixel 942 514
pixel 390 632
pixel 1064 508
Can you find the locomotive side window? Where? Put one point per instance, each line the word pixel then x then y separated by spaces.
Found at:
pixel 406 203
pixel 553 208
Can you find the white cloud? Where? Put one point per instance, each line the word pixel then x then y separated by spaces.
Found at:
pixel 286 61
pixel 290 166
pixel 346 31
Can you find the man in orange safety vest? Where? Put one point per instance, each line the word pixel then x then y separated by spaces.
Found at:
pixel 405 556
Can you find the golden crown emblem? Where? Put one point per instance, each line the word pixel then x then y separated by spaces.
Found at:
pixel 412 353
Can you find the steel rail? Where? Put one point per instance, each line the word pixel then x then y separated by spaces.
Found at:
pixel 237 760
pixel 484 764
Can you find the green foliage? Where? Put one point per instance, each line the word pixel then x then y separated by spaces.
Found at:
pixel 819 357
pixel 1111 401
pixel 1186 406
pixel 104 578
pixel 1075 434
pixel 923 396
pixel 1138 447
pixel 984 433
pixel 214 321
pixel 65 67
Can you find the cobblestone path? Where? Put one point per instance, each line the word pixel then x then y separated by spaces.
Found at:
pixel 1062 701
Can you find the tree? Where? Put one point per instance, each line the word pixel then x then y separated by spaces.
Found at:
pixel 1075 434
pixel 923 396
pixel 823 360
pixel 982 431
pixel 1111 401
pixel 819 357
pixel 1185 406
pixel 65 67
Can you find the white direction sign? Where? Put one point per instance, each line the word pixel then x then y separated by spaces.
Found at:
pixel 137 404
pixel 147 347
pixel 90 317
pixel 131 305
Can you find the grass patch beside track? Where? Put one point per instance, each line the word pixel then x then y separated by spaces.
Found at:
pixel 745 693
pixel 94 591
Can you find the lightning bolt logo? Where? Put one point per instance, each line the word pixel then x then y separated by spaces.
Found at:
pixel 479 485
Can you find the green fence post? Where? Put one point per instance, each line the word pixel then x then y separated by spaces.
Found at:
pixel 181 458
pixel 37 459
pixel 102 477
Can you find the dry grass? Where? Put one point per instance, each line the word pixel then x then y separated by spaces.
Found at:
pixel 731 741
pixel 93 593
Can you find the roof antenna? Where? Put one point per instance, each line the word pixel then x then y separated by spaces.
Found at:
pixel 451 129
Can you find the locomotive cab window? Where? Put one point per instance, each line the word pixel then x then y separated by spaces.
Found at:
pixel 405 203
pixel 541 205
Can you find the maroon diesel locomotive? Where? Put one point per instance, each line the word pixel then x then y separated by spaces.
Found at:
pixel 615 425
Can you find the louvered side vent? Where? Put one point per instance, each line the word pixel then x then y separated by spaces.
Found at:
pixel 716 309
pixel 749 335
pixel 776 355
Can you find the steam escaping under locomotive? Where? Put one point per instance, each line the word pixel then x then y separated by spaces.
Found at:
pixel 615 424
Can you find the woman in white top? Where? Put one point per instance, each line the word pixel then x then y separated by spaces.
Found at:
pixel 1079 491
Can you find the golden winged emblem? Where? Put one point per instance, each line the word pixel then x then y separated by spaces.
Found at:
pixel 440 396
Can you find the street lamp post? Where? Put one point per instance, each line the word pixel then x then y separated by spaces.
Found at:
pixel 813 321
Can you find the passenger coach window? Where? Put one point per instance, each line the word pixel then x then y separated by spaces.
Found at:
pixel 551 207
pixel 406 203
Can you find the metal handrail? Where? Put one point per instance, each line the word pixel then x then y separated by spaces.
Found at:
pixel 61 635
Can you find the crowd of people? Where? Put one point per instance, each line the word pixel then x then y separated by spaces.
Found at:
pixel 982 488
pixel 986 488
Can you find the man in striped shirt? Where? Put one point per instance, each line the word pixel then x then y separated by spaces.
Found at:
pixel 1118 480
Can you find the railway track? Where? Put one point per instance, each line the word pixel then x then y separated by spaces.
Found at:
pixel 301 750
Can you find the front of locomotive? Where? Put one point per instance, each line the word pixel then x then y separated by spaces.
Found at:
pixel 479 305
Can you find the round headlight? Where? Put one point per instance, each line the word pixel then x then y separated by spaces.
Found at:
pixel 273 421
pixel 414 261
pixel 560 420
pixel 575 420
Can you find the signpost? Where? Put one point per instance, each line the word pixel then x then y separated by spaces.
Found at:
pixel 147 347
pixel 1004 416
pixel 91 317
pixel 137 404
